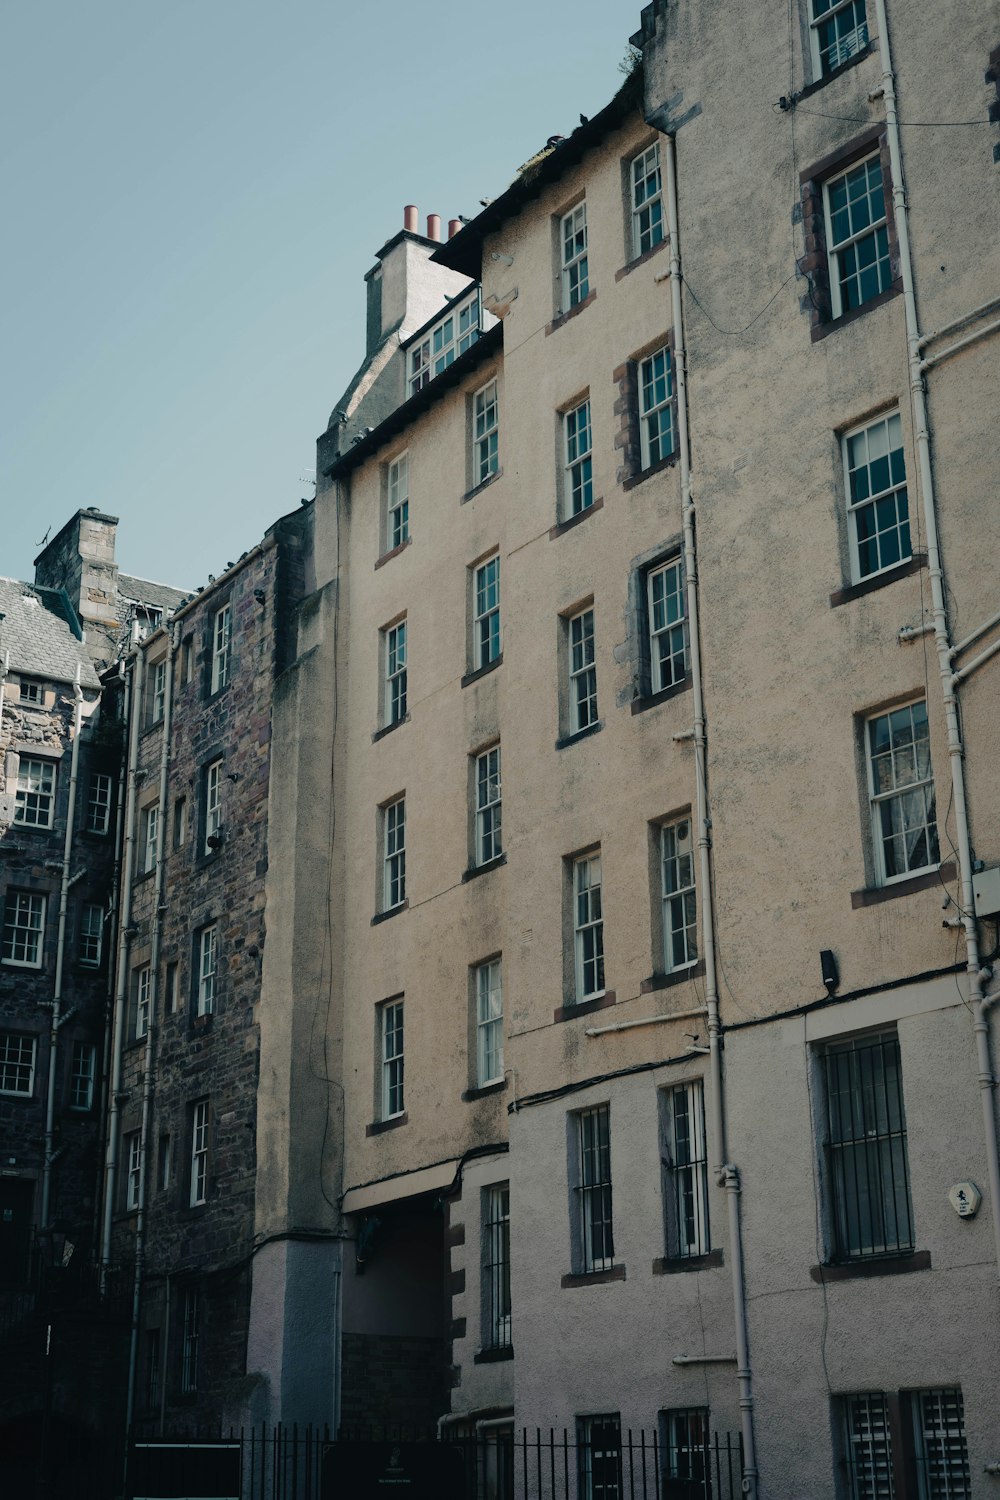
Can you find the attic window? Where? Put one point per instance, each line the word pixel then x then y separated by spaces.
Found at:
pixel 449 337
pixel 146 619
pixel 30 690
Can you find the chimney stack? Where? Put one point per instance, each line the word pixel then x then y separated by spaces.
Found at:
pixel 411 218
pixel 454 225
pixel 434 226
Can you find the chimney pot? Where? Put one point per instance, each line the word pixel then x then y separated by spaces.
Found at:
pixel 411 218
pixel 454 225
pixel 433 226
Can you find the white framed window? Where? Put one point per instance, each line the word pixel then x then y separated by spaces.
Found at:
pixel 578 478
pixel 157 690
pixel 588 927
pixel 222 637
pixel 688 1458
pixel 594 1189
pixel 213 806
pixel 485 433
pixel 877 504
pixel 133 1169
pixel 677 895
pixel 573 239
pixel 656 407
pixel 666 614
pixel 199 1153
pixel 455 332
pixel 91 941
pixel 489 1023
pixel 23 927
pixel 496 1266
pixel 30 691
pixel 17 1063
pixel 489 834
pixel 582 672
pixel 143 996
pixel 394 854
pixel 838 30
pixel 98 802
pixel 394 650
pixel 189 1342
pixel 150 837
pixel 34 801
pixel 81 1077
pixel 599 1457
pixel 647 200
pixel 889 1435
pixel 901 789
pixel 180 821
pixel 208 962
pixel 486 613
pixel 171 989
pixel 391 1053
pixel 397 530
pixel 685 1171
pixel 857 235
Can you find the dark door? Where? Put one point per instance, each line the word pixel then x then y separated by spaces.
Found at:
pixel 16 1198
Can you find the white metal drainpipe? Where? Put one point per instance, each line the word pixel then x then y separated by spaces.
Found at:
pixel 918 400
pixel 56 1017
pixel 725 1173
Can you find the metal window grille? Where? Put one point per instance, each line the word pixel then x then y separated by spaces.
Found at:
pixel 869 1171
pixel 152 1367
pixel 489 833
pixel 208 964
pixel 839 31
pixel 588 927
pixel 213 803
pixel 457 331
pixel 656 408
pixel 496 1265
pixel 24 919
pixel 392 1059
pixel 647 200
pixel 143 992
pixel 877 501
pixel 150 834
pixel 486 423
pixel 489 1023
pixel 398 486
pixel 575 275
pixel 891 1438
pixel 594 1190
pixel 133 1174
pixel 17 1063
pixel 599 1457
pixel 199 1154
pixel 942 1455
pixel 81 1078
pixel 34 799
pixel 857 236
pixel 99 803
pixel 868 1446
pixel 486 621
pixel 582 671
pixel 667 613
pixel 91 934
pixel 394 873
pixel 579 485
pixel 688 1456
pixel 903 804
pixel 189 1342
pixel 679 902
pixel 395 673
pixel 222 633
pixel 685 1171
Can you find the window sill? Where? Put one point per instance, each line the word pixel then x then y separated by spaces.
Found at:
pixel 474 871
pixel 667 1266
pixel 380 734
pixel 662 463
pixel 581 734
pixel 566 317
pixel 394 911
pixel 640 260
pixel 653 700
pixel 142 875
pixel 474 676
pixel 203 1023
pixel 379 1127
pixel 584 1007
pixel 381 561
pixel 657 982
pixel 925 881
pixel 484 484
pixel 820 83
pixel 832 324
pixel 878 580
pixel 484 1091
pixel 493 1356
pixel 594 1278
pixel 882 1265
pixel 561 527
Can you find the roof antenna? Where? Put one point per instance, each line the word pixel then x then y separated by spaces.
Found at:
pixel 45 539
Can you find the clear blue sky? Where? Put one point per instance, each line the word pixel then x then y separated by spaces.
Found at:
pixel 192 193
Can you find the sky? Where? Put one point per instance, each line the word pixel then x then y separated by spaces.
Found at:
pixel 192 193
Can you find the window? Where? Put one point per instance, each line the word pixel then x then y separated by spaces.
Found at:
pixel 687 1458
pixel 679 904
pixel 857 235
pixel 34 803
pixel 30 691
pixel 165 1161
pixel 91 934
pixel 485 433
pixel 395 672
pixel 98 803
pixel 152 1367
pixel 187 660
pixel 666 606
pixel 397 530
pixel 582 672
pixel 81 1077
pixel 157 690
pixel 656 408
pixel 199 1154
pixel 877 504
pixel 171 990
pixel 901 788
pixel 213 806
pixel 23 922
pixel 486 613
pixel 496 1265
pixel 457 331
pixel 575 278
pixel 588 927
pixel 180 821
pixel 17 1063
pixel 189 1342
pixel 647 200
pixel 578 483
pixel 838 31
pixel 599 1455
pixel 868 1167
pixel 888 1435
pixel 489 838
pixel 208 958
pixel 143 995
pixel 222 634
pixel 489 1023
pixel 394 855
pixel 391 1049
pixel 594 1190
pixel 132 1151
pixel 685 1171
pixel 149 838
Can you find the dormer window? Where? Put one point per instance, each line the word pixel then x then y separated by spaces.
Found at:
pixel 444 341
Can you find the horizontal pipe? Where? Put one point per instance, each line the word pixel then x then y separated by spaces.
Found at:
pixel 704 1359
pixel 972 338
pixel 977 661
pixel 975 634
pixel 675 1015
pixel 953 327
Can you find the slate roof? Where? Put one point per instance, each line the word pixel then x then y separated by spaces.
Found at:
pixel 142 591
pixel 42 634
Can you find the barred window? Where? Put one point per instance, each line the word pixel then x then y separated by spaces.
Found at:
pixel 685 1171
pixel 594 1190
pixel 496 1265
pixel 888 1435
pixel 189 1342
pixel 599 1457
